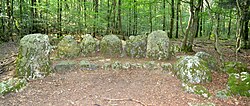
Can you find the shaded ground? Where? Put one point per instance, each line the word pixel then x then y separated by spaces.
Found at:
pixel 122 88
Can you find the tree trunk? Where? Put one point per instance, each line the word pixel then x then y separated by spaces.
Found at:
pixel 172 20
pixel 120 18
pixel 95 30
pixel 85 14
pixel 150 17
pixel 229 24
pixel 135 18
pixel 164 16
pixel 177 18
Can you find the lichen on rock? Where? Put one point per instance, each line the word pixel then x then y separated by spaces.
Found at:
pixel 136 46
pixel 66 65
pixel 68 47
pixel 211 61
pixel 158 45
pixel 88 45
pixel 111 45
pixel 33 57
pixel 192 69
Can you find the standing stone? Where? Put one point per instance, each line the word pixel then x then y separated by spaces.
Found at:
pixel 33 58
pixel 68 47
pixel 136 46
pixel 88 45
pixel 111 45
pixel 158 45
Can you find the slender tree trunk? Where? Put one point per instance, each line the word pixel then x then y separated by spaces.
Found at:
pixel 59 16
pixel 108 17
pixel 85 14
pixel 164 16
pixel 150 17
pixel 172 20
pixel 229 24
pixel 246 39
pixel 120 19
pixel 95 30
pixel 177 19
pixel 114 17
pixel 135 18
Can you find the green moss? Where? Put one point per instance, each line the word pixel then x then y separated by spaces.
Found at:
pixel 136 46
pixel 192 69
pixel 88 45
pixel 12 85
pixel 239 84
pixel 116 65
pixel 158 46
pixel 86 65
pixel 223 94
pixel 111 45
pixel 65 66
pixel 33 57
pixel 235 67
pixel 68 48
pixel 196 89
pixel 210 60
pixel 166 67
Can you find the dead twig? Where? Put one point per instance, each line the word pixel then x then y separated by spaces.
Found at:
pixel 126 99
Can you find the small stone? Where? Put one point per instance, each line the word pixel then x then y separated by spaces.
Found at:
pixel 65 66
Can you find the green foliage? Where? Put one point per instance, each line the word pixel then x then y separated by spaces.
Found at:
pixel 235 67
pixel 12 85
pixel 239 84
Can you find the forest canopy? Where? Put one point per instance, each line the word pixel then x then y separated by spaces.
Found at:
pixel 180 18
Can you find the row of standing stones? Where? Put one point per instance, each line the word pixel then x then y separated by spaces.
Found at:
pixel 34 60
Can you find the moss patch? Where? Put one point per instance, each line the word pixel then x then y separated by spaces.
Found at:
pixel 196 89
pixel 12 85
pixel 239 84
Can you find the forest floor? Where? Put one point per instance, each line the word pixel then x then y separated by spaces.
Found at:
pixel 121 88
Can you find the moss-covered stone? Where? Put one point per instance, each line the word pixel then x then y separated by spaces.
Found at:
pixel 116 65
pixel 12 85
pixel 65 66
pixel 151 65
pixel 239 84
pixel 158 45
pixel 223 94
pixel 88 45
pixel 192 69
pixel 111 45
pixel 166 67
pixel 68 48
pixel 211 61
pixel 235 67
pixel 196 89
pixel 136 46
pixel 86 65
pixel 33 58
